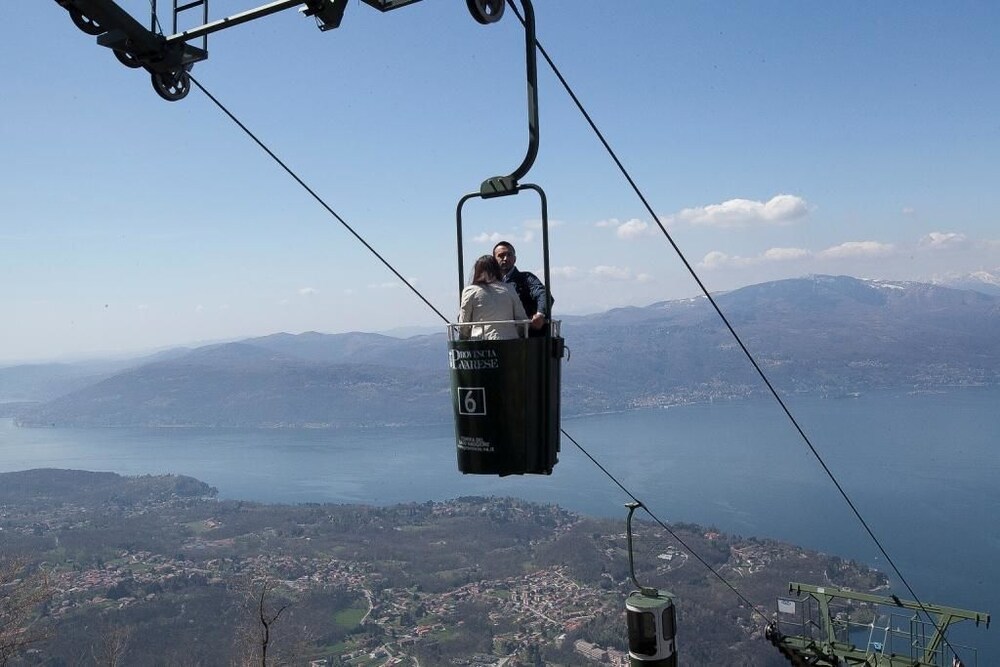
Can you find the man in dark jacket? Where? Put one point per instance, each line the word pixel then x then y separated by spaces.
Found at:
pixel 534 297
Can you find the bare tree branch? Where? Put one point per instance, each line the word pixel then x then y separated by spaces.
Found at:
pixel 266 622
pixel 112 644
pixel 22 592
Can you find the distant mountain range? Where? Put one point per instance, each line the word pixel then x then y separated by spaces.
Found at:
pixel 987 282
pixel 831 335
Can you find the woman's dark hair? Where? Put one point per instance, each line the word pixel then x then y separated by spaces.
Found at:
pixel 486 270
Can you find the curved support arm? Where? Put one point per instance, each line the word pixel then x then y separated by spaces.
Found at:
pixel 504 185
pixel 632 507
pixel 531 73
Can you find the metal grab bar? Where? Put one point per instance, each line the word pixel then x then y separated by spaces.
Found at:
pixel 456 329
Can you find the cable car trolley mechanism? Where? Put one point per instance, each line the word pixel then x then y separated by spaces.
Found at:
pixel 170 58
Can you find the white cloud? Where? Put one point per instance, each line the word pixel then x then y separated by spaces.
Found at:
pixel 941 240
pixel 717 259
pixel 492 238
pixel 568 272
pixel 909 210
pixel 779 210
pixel 784 254
pixel 632 229
pixel 619 273
pixel 495 237
pixel 199 308
pixel 857 249
pixel 308 291
pixel 537 224
pixel 386 285
pixel 942 245
pixel 611 272
pixel 142 306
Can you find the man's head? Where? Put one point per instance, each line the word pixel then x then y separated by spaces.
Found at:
pixel 505 256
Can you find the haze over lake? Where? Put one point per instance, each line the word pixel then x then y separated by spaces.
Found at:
pixel 922 469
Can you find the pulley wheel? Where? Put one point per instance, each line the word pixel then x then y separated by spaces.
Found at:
pixel 127 59
pixel 486 11
pixel 85 23
pixel 172 86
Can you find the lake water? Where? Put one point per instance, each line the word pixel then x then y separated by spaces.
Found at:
pixel 922 469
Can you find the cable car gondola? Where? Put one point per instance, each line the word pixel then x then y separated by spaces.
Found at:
pixel 505 393
pixel 651 617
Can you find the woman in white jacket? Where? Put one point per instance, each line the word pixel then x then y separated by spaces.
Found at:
pixel 488 299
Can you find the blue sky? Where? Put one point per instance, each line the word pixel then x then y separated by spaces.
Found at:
pixel 774 139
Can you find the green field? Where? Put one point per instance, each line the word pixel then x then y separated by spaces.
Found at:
pixel 350 617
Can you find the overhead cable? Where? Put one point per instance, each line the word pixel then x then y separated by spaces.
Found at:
pixel 760 371
pixel 385 262
pixel 319 199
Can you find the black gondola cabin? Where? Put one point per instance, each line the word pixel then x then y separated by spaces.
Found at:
pixel 505 393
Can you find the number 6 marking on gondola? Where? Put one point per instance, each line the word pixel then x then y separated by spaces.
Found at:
pixel 472 401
